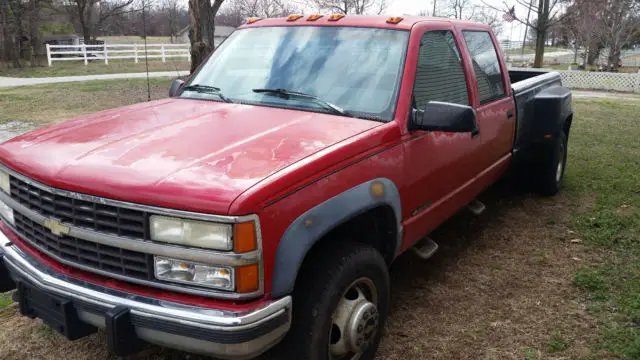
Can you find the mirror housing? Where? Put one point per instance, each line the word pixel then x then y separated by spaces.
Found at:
pixel 446 117
pixel 175 87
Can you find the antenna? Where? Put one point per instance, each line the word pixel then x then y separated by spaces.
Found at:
pixel 146 54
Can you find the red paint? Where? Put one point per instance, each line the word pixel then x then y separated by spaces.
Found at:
pixel 236 159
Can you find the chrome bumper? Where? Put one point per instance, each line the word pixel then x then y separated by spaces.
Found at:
pixel 223 334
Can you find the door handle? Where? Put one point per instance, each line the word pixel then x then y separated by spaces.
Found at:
pixel 509 114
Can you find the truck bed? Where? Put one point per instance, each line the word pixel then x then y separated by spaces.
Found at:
pixel 541 104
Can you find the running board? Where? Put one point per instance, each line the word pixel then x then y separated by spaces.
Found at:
pixel 476 207
pixel 425 248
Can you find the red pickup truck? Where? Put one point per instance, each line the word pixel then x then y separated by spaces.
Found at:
pixel 267 197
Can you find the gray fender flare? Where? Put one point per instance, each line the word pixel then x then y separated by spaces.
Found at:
pixel 309 227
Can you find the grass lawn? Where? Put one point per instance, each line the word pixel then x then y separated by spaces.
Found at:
pixel 71 68
pixel 5 299
pixel 531 278
pixel 43 104
pixel 603 181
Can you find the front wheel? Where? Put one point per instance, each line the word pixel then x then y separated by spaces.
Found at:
pixel 341 303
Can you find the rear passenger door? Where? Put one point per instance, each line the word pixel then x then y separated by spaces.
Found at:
pixel 493 101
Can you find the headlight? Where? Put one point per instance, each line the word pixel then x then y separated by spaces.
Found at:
pixel 6 212
pixel 5 183
pixel 191 232
pixel 181 271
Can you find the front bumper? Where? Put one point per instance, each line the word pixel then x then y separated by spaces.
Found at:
pixel 223 334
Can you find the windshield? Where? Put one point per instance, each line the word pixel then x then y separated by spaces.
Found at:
pixel 356 69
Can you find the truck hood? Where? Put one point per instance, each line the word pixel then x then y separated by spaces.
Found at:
pixel 186 154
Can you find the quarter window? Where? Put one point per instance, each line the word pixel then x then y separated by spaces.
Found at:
pixel 439 74
pixel 485 65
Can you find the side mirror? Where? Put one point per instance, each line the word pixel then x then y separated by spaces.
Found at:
pixel 175 87
pixel 446 117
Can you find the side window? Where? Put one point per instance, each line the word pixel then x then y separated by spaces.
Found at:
pixel 485 65
pixel 440 74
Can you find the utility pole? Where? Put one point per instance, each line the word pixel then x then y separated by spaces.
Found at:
pixel 434 9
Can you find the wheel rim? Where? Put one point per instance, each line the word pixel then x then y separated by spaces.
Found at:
pixel 354 321
pixel 560 168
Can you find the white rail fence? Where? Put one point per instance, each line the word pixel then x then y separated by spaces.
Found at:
pixel 106 52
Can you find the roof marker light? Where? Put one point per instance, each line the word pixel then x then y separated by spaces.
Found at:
pixel 251 20
pixel 314 17
pixel 335 17
pixel 294 17
pixel 394 19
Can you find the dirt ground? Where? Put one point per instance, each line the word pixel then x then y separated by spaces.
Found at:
pixel 499 288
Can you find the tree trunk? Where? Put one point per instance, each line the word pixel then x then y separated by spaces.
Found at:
pixel 34 33
pixel 593 54
pixel 539 60
pixel 202 27
pixel 7 44
pixel 82 19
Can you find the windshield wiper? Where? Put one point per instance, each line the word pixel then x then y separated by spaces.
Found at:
pixel 287 93
pixel 206 89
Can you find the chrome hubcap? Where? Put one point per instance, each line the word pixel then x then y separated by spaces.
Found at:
pixel 355 321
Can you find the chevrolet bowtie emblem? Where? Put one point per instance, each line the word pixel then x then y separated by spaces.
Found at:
pixel 56 227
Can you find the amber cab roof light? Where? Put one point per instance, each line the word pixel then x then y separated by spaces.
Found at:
pixel 394 19
pixel 314 17
pixel 251 20
pixel 335 17
pixel 294 17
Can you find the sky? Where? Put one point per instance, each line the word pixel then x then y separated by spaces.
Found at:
pixel 413 7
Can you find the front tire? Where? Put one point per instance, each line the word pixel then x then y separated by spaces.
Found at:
pixel 340 304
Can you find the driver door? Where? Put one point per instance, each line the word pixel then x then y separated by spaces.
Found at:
pixel 440 165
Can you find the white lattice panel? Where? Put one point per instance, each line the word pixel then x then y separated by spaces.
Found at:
pixel 601 81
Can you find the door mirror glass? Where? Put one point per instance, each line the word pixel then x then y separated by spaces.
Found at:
pixel 446 117
pixel 175 87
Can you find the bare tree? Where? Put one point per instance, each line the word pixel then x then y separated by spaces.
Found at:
pixel 619 24
pixel 18 9
pixel 260 8
pixel 172 11
pixel 202 15
pixel 6 46
pixel 357 7
pixel 91 14
pixel 460 9
pixel 469 10
pixel 548 14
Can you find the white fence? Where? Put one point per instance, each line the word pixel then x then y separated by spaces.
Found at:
pixel 106 52
pixel 592 80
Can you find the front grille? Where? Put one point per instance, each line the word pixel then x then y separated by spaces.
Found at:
pixel 77 251
pixel 91 215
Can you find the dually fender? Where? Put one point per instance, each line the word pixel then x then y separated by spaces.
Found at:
pixel 552 107
pixel 312 225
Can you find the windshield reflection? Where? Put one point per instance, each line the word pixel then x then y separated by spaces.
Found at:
pixel 357 69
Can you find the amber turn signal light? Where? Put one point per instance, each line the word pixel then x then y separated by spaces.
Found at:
pixel 247 278
pixel 394 19
pixel 244 237
pixel 293 17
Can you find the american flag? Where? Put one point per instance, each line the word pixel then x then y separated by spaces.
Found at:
pixel 510 16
